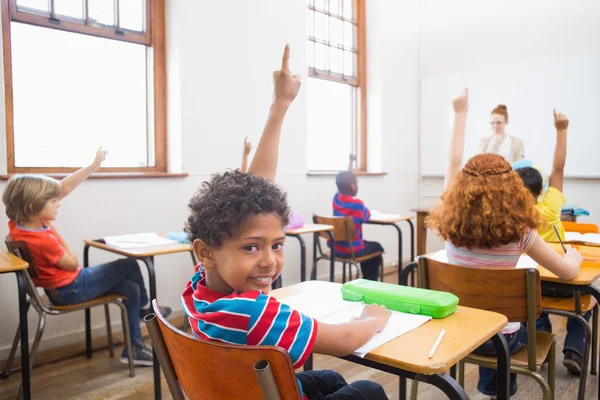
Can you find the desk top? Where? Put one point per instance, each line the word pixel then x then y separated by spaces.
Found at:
pixel 140 252
pixel 11 263
pixel 388 218
pixel 309 228
pixel 422 209
pixel 466 330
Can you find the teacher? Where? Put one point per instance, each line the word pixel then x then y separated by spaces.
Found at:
pixel 509 147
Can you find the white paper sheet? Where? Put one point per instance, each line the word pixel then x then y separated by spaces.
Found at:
pixel 137 240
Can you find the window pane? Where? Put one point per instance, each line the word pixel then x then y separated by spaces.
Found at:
pixel 334 7
pixel 41 6
pixel 131 14
pixel 335 60
pixel 335 31
pixel 69 8
pixel 311 54
pixel 101 12
pixel 320 4
pixel 349 63
pixel 321 27
pixel 90 91
pixel 311 23
pixel 348 9
pixel 330 113
pixel 349 35
pixel 320 56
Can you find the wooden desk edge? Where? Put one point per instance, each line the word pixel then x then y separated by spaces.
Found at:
pixel 124 252
pixel 13 263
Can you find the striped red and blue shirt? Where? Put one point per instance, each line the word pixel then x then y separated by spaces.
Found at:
pixel 348 206
pixel 249 318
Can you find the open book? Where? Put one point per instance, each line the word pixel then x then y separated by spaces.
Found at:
pixel 586 238
pixel 334 310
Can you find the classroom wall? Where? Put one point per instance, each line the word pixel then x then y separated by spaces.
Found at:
pixel 220 65
pixel 468 35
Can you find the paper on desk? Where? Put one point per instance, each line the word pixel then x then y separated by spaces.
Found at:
pixel 334 310
pixel 383 217
pixel 137 240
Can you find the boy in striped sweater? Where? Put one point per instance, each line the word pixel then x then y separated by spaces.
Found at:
pixel 236 229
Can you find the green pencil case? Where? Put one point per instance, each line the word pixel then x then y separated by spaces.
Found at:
pixel 401 298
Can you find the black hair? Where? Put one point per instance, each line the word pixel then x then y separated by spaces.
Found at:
pixel 344 180
pixel 532 180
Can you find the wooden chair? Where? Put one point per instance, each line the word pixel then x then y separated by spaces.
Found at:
pixel 343 231
pixel 213 370
pixel 581 228
pixel 513 292
pixel 44 307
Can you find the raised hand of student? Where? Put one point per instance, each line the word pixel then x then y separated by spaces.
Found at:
pixel 461 103
pixel 561 122
pixel 247 146
pixel 100 157
pixel 286 84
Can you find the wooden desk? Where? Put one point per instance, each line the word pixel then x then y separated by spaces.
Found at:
pixel 422 213
pixel 407 355
pixel 146 255
pixel 392 220
pixel 10 263
pixel 315 229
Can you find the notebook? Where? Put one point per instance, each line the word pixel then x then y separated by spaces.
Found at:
pixel 576 237
pixel 334 310
pixel 383 217
pixel 137 240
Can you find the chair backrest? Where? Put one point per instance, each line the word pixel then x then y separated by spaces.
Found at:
pixel 581 228
pixel 502 290
pixel 343 227
pixel 21 250
pixel 213 370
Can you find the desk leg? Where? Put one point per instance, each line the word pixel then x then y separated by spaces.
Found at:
pixel 503 355
pixel 149 261
pixel 193 258
pixel 331 258
pixel 596 293
pixel 399 251
pixel 302 257
pixel 449 386
pixel 412 249
pixel 88 317
pixel 23 306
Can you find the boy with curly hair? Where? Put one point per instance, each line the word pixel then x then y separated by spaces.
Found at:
pixel 236 229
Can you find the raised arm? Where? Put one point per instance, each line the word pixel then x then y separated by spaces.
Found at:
pixel 69 183
pixel 351 161
pixel 247 149
pixel 560 151
pixel 457 138
pixel 286 86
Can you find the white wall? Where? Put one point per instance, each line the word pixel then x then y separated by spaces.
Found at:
pixel 467 35
pixel 220 65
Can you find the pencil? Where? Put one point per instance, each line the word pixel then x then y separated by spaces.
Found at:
pixel 437 343
pixel 559 239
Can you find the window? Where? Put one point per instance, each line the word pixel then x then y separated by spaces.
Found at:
pixel 336 84
pixel 80 74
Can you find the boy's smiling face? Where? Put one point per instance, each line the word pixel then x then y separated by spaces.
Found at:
pixel 251 259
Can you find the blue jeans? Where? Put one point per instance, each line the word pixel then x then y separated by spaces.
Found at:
pixel 487 376
pixel 329 385
pixel 370 269
pixel 120 277
pixel 575 339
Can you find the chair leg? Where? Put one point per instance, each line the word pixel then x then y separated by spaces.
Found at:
pixel 461 373
pixel 111 347
pixel 381 269
pixel 595 340
pixel 127 337
pixel 414 390
pixel 552 370
pixel 344 273
pixel 547 388
pixel 11 355
pixel 34 348
pixel 586 357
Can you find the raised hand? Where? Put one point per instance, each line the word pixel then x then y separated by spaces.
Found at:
pixel 461 103
pixel 247 146
pixel 100 157
pixel 286 84
pixel 561 122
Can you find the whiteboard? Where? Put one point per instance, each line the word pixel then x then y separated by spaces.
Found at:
pixel 530 91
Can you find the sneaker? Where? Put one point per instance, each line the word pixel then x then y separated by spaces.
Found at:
pixel 142 355
pixel 165 311
pixel 573 362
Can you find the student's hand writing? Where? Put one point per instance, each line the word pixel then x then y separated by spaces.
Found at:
pixel 377 312
pixel 247 146
pixel 561 122
pixel 100 157
pixel 286 84
pixel 461 103
pixel 572 257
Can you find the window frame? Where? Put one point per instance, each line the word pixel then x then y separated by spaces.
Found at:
pixel 154 37
pixel 359 137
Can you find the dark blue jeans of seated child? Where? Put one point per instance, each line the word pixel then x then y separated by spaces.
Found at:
pixel 329 385
pixel 370 268
pixel 575 339
pixel 487 376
